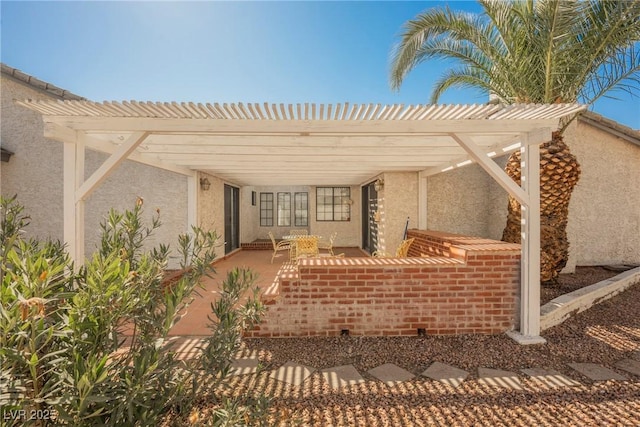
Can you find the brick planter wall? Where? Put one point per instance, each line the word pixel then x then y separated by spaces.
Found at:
pixel 474 290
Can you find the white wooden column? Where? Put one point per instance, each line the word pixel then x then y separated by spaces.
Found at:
pixel 530 241
pixel 69 199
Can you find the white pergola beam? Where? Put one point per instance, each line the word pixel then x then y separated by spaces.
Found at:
pixel 119 155
pixel 301 127
pixel 60 133
pixel 491 168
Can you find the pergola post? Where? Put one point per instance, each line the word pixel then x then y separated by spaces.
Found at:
pixel 70 214
pixel 530 240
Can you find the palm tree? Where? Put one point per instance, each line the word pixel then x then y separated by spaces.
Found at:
pixel 528 51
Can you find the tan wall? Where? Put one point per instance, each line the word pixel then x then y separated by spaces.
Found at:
pixel 396 201
pixel 34 173
pixel 467 201
pixel 211 208
pixel 604 213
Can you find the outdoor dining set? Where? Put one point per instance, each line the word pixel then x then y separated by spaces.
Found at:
pixel 300 244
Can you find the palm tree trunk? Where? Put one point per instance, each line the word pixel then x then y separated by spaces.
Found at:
pixel 559 174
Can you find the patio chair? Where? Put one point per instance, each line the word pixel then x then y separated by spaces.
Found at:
pixel 305 247
pixel 401 252
pixel 328 245
pixel 278 246
pixel 298 232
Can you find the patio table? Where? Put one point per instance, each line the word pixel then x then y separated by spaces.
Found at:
pixel 293 239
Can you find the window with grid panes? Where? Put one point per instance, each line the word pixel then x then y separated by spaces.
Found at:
pixel 333 204
pixel 266 209
pixel 301 209
pixel 284 209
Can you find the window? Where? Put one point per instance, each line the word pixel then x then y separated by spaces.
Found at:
pixel 301 209
pixel 284 209
pixel 333 204
pixel 266 209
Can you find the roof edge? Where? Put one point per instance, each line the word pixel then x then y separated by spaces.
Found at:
pixel 39 84
pixel 610 126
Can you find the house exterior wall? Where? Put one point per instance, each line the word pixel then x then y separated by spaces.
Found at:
pixel 604 212
pixel 34 173
pixel 467 201
pixel 211 208
pixel 397 200
pixel 349 232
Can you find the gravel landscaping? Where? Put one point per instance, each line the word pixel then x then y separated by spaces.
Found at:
pixel 603 334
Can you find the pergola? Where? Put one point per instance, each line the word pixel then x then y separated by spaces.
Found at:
pixel 308 144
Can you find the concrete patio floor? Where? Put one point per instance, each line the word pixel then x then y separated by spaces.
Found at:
pixel 195 321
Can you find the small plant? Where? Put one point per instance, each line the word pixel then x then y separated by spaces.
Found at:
pixel 88 346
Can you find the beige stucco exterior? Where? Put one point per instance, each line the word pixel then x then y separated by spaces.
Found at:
pixel 397 201
pixel 467 201
pixel 604 213
pixel 35 170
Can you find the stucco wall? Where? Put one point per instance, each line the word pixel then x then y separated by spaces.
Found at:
pixel 604 213
pixel 467 201
pixel 211 208
pixel 35 174
pixel 396 201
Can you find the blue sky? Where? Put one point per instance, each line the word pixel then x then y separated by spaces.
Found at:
pixel 230 52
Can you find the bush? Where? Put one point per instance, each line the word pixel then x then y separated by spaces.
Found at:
pixel 64 357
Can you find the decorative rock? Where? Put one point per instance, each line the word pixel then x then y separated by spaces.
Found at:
pixel 446 374
pixel 390 374
pixel 341 376
pixel 292 373
pixel 499 378
pixel 596 372
pixel 550 378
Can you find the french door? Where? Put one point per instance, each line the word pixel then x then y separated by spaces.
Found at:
pixel 231 218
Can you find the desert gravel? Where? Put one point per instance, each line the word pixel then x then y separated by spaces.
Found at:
pixel 604 334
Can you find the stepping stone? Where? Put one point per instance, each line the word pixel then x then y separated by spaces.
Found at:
pixel 550 378
pixel 341 376
pixel 596 372
pixel 499 378
pixel 445 374
pixel 391 374
pixel 244 365
pixel 629 365
pixel 292 373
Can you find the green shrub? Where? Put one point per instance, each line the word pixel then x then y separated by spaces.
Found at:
pixel 63 354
